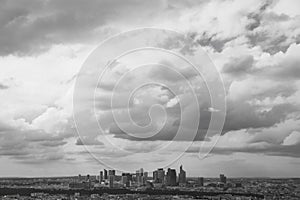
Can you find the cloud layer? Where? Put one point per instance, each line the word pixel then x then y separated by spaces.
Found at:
pixel 254 45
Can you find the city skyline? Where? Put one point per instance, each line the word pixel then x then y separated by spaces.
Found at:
pixel 212 85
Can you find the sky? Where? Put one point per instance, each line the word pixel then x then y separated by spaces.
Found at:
pixel 57 117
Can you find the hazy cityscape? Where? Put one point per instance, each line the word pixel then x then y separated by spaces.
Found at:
pixel 161 184
pixel 143 100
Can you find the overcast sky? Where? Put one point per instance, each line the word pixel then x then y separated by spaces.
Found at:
pixel 253 44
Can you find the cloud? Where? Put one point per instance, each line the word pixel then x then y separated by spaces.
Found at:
pixel 40 140
pixel 34 26
pixel 273 39
pixel 286 66
pixel 244 116
pixel 254 45
pixel 292 139
pixel 30 145
pixel 274 141
pixel 239 66
pixel 88 141
pixel 3 87
pixel 171 72
pixel 270 150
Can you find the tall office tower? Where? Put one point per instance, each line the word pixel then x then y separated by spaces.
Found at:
pixel 146 175
pixel 171 177
pixel 79 177
pixel 101 177
pixel 160 175
pixel 87 177
pixel 182 176
pixel 125 179
pixel 155 176
pixel 223 178
pixel 112 172
pixel 111 179
pixel 137 173
pixel 200 181
pixel 140 179
pixel 105 174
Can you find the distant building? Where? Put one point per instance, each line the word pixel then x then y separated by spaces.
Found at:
pixel 112 172
pixel 126 179
pixel 181 176
pixel 155 176
pixel 200 181
pixel 140 179
pixel 101 177
pixel 160 175
pixel 223 178
pixel 146 175
pixel 171 177
pixel 105 174
pixel 111 180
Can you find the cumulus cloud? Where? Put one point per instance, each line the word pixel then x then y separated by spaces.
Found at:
pixel 254 45
pixel 34 26
pixel 279 140
pixel 3 87
pixel 30 145
pixel 239 66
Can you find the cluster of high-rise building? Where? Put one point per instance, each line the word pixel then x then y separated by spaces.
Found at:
pixel 161 177
pixel 140 178
pixel 169 178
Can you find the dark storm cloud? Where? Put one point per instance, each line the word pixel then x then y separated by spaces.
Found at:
pixel 32 26
pixel 241 115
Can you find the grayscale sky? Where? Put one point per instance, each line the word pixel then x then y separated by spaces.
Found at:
pixel 254 45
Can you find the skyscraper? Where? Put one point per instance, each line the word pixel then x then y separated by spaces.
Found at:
pixel 140 179
pixel 125 179
pixel 160 175
pixel 223 178
pixel 146 175
pixel 182 176
pixel 200 181
pixel 101 177
pixel 111 179
pixel 155 176
pixel 171 177
pixel 112 172
pixel 105 174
